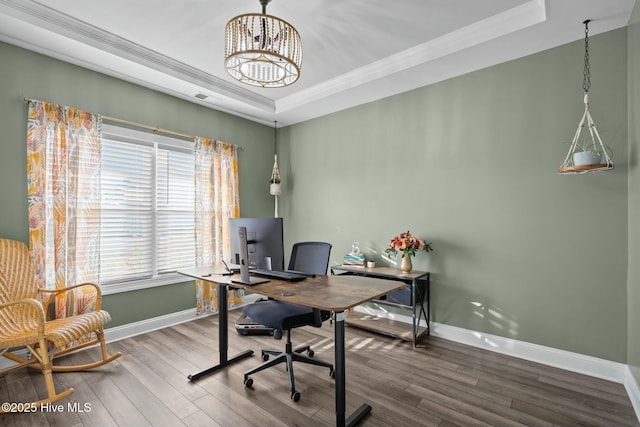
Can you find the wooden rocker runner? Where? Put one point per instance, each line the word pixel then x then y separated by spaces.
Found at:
pixel 24 324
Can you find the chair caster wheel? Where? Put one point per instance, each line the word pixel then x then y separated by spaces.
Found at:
pixel 310 353
pixel 265 357
pixel 332 374
pixel 248 382
pixel 295 396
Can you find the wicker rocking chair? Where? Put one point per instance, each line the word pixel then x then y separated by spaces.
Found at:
pixel 23 321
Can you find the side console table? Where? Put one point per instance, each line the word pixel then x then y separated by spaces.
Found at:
pixel 415 297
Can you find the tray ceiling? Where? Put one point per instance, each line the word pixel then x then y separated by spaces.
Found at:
pixel 354 51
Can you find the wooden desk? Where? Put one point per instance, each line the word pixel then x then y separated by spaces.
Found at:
pixel 420 294
pixel 331 293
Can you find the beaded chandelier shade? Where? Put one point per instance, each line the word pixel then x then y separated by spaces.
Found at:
pixel 262 50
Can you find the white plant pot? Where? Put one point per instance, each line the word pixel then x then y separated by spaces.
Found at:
pixel 583 158
pixel 274 189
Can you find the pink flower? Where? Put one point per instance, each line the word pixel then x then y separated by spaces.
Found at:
pixel 407 244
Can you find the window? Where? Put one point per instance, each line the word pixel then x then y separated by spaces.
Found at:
pixel 147 208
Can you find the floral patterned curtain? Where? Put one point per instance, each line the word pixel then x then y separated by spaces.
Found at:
pixel 216 200
pixel 63 173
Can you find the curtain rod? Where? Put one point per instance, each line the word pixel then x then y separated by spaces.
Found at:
pixel 152 128
pixel 143 126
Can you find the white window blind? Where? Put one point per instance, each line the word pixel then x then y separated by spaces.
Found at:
pixel 147 219
pixel 175 207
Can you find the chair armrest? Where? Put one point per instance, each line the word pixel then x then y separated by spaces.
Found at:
pixel 34 305
pixel 95 294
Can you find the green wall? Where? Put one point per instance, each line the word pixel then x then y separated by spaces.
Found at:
pixel 633 352
pixel 470 164
pixel 24 74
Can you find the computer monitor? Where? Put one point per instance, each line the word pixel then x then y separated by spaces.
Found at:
pixel 265 242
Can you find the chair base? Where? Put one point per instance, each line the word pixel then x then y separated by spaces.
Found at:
pixel 288 356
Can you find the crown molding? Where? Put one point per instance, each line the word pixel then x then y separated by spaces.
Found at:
pixel 60 24
pixel 532 26
pixel 507 22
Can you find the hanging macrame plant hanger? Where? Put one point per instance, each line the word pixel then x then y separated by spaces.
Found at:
pixel 589 153
pixel 275 188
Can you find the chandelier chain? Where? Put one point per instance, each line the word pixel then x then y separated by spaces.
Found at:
pixel 586 79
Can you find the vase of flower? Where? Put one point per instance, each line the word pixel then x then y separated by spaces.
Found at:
pixel 407 244
pixel 405 264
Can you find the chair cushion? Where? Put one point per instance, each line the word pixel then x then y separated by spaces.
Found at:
pixel 63 331
pixel 280 315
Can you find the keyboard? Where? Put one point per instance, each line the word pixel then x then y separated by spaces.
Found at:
pixel 290 276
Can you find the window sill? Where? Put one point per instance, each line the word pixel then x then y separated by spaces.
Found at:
pixel 134 285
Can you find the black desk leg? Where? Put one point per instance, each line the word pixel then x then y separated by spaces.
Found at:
pixel 416 326
pixel 429 302
pixel 341 398
pixel 223 337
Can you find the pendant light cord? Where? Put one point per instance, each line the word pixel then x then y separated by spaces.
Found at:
pixel 264 4
pixel 586 78
pixel 275 137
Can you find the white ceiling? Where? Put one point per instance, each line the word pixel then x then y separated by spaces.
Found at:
pixel 354 51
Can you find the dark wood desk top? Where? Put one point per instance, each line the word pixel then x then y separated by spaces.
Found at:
pixel 383 272
pixel 332 293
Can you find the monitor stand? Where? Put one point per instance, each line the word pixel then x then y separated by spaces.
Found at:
pixel 252 281
pixel 245 279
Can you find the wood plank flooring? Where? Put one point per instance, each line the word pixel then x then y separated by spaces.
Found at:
pixel 441 383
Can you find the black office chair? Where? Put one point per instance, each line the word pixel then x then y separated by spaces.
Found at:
pixel 307 257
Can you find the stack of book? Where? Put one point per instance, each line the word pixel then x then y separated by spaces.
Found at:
pixel 354 260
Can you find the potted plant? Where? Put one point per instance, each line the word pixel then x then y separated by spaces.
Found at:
pixel 274 182
pixel 407 244
pixel 586 157
pixel 587 154
pixel 274 187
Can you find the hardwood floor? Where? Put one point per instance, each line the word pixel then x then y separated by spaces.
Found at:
pixel 441 383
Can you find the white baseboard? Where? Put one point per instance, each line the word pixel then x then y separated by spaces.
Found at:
pixel 633 390
pixel 574 362
pixel 129 330
pixel 137 328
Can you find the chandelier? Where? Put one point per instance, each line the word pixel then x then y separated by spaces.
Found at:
pixel 262 50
